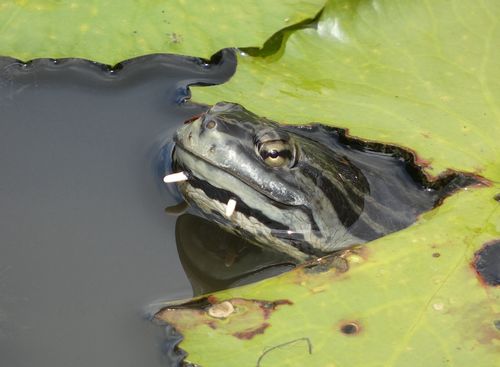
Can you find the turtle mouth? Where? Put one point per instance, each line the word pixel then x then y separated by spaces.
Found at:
pixel 260 216
pixel 178 165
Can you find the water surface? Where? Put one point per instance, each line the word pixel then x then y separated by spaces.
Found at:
pixel 85 244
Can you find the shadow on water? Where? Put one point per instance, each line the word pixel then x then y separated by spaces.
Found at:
pixel 85 242
pixel 215 259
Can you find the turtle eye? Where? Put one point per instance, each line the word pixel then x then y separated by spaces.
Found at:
pixel 276 153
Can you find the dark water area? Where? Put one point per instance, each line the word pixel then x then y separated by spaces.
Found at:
pixel 215 259
pixel 86 247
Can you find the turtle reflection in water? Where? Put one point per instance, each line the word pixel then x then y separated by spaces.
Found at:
pixel 296 189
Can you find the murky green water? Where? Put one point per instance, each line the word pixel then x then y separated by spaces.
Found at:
pixel 86 245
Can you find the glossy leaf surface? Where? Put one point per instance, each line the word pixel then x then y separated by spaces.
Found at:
pixel 423 75
pixel 112 31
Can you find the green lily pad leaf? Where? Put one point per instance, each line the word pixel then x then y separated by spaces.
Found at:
pixel 408 299
pixel 422 75
pixel 110 32
pixel 415 74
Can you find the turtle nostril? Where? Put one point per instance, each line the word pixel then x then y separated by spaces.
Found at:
pixel 210 124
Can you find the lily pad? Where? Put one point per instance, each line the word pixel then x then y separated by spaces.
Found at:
pixel 111 31
pixel 409 299
pixel 415 74
pixel 422 75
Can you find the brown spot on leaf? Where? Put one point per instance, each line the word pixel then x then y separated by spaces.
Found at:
pixel 212 299
pixel 269 307
pixel 249 334
pixel 486 263
pixel 489 334
pixel 436 254
pixel 317 275
pixel 340 264
pixel 497 197
pixel 477 323
pixel 350 328
pixel 238 317
pixel 324 264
